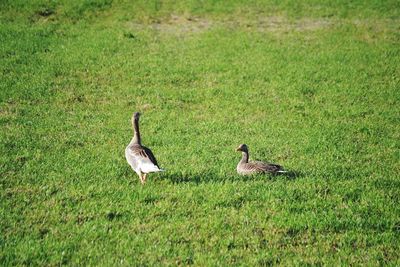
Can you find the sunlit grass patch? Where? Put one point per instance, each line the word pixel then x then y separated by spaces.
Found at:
pixel 313 87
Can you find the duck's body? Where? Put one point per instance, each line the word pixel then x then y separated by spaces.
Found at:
pixel 246 167
pixel 139 157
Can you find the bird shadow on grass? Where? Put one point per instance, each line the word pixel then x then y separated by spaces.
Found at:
pixel 291 175
pixel 210 177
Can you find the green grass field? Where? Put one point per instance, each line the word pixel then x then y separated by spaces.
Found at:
pixel 313 86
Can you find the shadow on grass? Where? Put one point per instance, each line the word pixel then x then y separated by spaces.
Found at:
pixel 291 175
pixel 210 177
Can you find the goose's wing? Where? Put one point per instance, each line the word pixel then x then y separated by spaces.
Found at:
pixel 143 154
pixel 260 166
pixel 150 155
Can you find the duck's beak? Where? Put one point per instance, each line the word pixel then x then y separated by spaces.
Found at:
pixel 238 149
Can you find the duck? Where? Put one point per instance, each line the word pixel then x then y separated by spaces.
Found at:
pixel 246 167
pixel 139 157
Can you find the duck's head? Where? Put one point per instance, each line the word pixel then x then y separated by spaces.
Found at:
pixel 242 148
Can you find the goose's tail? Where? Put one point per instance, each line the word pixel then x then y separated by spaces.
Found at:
pixel 146 168
pixel 157 169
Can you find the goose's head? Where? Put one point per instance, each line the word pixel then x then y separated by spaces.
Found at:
pixel 136 116
pixel 242 148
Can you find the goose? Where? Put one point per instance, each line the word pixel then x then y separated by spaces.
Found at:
pixel 247 168
pixel 139 157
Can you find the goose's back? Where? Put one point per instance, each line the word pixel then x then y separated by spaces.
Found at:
pixel 254 167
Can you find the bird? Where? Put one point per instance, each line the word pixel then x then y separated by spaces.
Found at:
pixel 139 157
pixel 246 167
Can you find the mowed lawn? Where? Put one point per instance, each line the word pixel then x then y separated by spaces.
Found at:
pixel 312 86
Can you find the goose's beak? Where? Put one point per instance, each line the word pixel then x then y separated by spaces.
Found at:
pixel 238 149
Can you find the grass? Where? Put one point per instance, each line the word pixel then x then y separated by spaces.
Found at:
pixel 313 86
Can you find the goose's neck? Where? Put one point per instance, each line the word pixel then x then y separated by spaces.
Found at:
pixel 245 157
pixel 136 134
